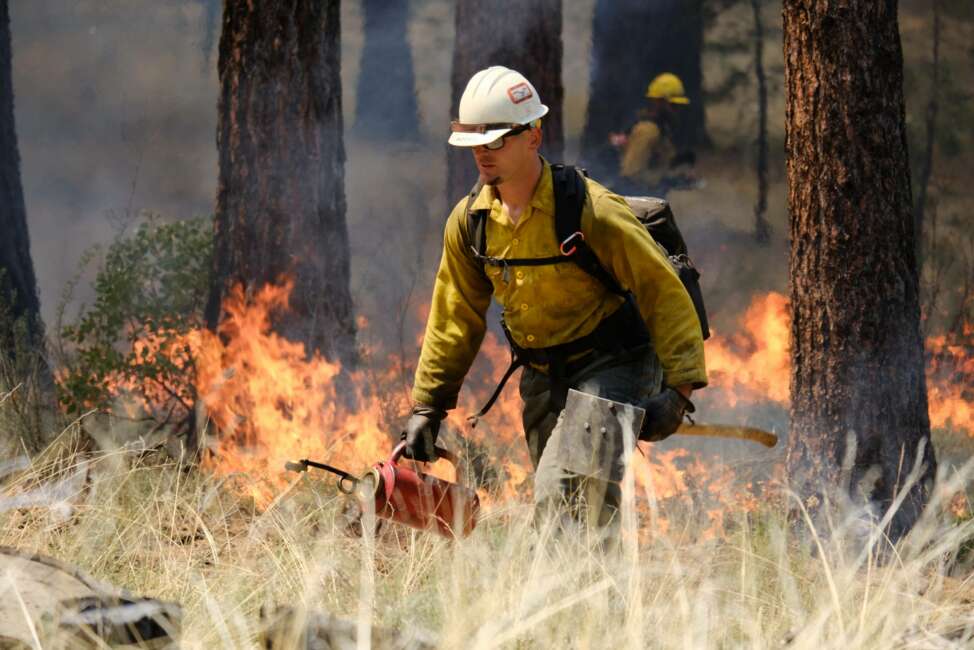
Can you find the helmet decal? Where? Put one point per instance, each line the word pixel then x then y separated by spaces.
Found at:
pixel 520 92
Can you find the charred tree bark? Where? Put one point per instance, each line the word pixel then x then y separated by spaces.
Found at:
pixel 21 329
pixel 524 35
pixel 281 198
pixel 386 109
pixel 632 42
pixel 857 353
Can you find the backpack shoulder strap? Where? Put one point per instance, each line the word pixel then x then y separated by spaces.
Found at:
pixel 473 228
pixel 570 196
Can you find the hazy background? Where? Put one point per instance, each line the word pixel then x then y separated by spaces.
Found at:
pixel 116 106
pixel 116 112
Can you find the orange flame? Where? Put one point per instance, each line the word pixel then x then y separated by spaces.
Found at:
pixel 753 365
pixel 270 402
pixel 950 380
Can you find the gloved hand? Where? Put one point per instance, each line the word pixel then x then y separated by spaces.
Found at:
pixel 664 413
pixel 422 428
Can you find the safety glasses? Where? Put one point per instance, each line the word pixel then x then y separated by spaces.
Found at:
pixel 493 145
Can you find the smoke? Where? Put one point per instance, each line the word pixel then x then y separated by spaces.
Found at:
pixel 113 115
pixel 60 496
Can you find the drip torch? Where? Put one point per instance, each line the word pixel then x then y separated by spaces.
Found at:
pixel 408 496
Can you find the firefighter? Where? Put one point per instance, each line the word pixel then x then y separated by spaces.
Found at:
pixel 649 162
pixel 571 330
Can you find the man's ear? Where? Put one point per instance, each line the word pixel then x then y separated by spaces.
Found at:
pixel 535 142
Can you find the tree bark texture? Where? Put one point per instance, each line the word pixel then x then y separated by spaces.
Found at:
pixel 280 197
pixel 632 42
pixel 386 109
pixel 524 35
pixel 857 354
pixel 18 284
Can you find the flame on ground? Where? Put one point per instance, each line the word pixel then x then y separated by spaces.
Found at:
pixel 754 365
pixel 269 402
pixel 950 380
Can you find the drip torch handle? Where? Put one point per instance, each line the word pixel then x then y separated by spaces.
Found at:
pixel 445 454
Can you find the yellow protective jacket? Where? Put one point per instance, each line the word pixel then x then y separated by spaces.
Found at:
pixel 647 154
pixel 552 304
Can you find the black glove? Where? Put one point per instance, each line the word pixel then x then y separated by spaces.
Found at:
pixel 664 413
pixel 421 430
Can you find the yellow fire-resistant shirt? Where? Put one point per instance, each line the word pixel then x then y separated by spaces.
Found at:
pixel 646 155
pixel 551 304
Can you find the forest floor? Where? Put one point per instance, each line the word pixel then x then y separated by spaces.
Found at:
pixel 763 581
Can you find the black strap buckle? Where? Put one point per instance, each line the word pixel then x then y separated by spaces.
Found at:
pixel 577 234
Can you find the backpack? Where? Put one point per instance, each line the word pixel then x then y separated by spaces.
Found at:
pixel 570 194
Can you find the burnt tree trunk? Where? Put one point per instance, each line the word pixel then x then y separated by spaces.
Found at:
pixel 281 198
pixel 385 109
pixel 21 329
pixel 632 42
pixel 857 353
pixel 524 35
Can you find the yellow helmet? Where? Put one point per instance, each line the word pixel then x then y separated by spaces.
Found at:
pixel 669 87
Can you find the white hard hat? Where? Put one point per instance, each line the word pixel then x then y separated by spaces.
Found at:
pixel 495 101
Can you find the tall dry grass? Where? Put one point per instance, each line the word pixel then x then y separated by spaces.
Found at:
pixel 163 529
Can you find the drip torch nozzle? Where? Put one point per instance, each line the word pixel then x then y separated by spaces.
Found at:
pixel 346 482
pixel 296 466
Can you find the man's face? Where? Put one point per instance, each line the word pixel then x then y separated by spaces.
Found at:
pixel 662 108
pixel 510 161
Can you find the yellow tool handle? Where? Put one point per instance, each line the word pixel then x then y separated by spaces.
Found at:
pixel 759 436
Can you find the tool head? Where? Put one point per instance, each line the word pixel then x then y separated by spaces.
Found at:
pixel 595 434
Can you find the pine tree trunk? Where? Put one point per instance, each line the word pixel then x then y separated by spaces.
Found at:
pixel 21 328
pixel 281 198
pixel 524 35
pixel 857 353
pixel 385 109
pixel 632 42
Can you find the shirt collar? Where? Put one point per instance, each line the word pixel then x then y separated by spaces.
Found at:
pixel 543 198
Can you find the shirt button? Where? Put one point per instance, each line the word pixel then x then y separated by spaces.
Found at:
pixel 515 241
pixel 530 338
pixel 520 275
pixel 524 306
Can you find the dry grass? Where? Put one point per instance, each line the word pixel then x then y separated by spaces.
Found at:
pixel 163 530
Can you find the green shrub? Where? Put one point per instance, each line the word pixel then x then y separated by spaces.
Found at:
pixel 128 353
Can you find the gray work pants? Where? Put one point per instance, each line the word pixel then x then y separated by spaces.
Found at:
pixel 626 378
